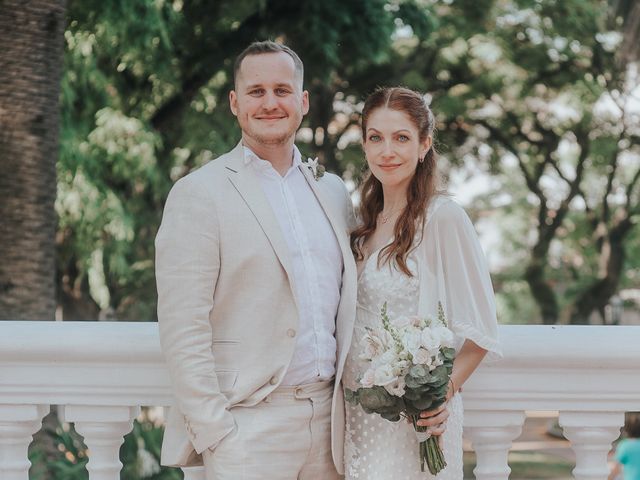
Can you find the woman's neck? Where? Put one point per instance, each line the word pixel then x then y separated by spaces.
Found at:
pixel 395 198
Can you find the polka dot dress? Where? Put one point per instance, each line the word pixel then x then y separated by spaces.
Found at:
pixel 376 449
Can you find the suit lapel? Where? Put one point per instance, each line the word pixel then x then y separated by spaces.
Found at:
pixel 248 186
pixel 337 223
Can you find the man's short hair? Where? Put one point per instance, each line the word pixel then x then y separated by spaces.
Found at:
pixel 267 46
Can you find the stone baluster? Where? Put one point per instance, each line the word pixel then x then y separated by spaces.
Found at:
pixel 591 435
pixel 18 423
pixel 492 433
pixel 194 473
pixel 103 429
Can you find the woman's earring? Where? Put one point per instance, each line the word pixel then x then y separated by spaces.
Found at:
pixel 421 159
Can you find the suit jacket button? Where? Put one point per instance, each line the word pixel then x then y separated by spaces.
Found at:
pixel 273 381
pixel 291 332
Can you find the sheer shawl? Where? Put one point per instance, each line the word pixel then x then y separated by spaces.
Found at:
pixel 453 270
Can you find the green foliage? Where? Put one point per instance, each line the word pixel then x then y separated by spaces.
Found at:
pixel 377 400
pixel 140 455
pixel 512 83
pixel 144 101
pixel 70 457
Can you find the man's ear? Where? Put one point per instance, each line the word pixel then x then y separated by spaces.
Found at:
pixel 305 102
pixel 233 102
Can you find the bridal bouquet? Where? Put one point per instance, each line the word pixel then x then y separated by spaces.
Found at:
pixel 410 361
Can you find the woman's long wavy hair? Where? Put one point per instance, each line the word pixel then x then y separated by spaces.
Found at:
pixel 421 188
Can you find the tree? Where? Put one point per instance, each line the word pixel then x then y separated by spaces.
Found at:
pixel 145 101
pixel 551 122
pixel 522 87
pixel 516 87
pixel 30 69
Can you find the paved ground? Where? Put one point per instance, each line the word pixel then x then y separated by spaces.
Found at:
pixel 535 454
pixel 535 437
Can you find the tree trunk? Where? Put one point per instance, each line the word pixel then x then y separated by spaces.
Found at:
pixel 31 42
pixel 629 51
pixel 598 294
pixel 542 292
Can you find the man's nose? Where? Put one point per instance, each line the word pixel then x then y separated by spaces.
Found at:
pixel 269 100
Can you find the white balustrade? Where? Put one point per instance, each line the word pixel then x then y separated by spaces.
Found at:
pixel 591 434
pixel 103 429
pixel 100 372
pixel 492 434
pixel 18 423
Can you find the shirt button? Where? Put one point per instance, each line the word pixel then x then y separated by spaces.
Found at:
pixel 273 380
pixel 291 332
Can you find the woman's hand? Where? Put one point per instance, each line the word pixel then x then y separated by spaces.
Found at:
pixel 435 420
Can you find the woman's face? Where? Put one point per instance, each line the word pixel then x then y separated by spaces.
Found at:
pixel 392 147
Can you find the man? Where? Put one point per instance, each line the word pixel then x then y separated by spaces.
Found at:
pixel 256 293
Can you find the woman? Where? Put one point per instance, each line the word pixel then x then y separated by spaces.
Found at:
pixel 415 247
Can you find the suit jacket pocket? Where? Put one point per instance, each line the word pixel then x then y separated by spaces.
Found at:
pixel 225 353
pixel 226 380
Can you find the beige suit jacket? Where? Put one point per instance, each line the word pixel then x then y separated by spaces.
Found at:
pixel 225 302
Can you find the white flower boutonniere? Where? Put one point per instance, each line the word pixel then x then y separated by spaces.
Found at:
pixel 316 169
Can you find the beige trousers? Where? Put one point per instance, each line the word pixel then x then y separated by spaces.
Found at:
pixel 285 437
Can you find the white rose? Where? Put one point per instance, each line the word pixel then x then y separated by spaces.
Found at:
pixel 418 322
pixel 387 359
pixel 396 388
pixel 384 375
pixel 437 361
pixel 422 357
pixel 372 347
pixel 400 367
pixel 430 340
pixel 400 322
pixel 411 339
pixel 368 378
pixel 446 336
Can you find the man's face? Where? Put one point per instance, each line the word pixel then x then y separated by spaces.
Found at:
pixel 268 100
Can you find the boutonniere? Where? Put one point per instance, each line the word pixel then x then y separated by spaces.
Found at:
pixel 316 169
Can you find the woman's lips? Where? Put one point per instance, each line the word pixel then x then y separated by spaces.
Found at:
pixel 390 166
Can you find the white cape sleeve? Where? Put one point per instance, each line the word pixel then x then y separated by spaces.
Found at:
pixel 452 261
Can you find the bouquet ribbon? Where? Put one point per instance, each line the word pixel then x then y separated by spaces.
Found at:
pixel 423 436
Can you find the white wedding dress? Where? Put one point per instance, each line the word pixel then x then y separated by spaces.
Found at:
pixel 449 269
pixel 376 449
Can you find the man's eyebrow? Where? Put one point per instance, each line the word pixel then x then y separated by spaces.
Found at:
pixel 260 85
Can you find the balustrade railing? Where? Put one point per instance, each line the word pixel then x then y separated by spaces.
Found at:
pixel 100 373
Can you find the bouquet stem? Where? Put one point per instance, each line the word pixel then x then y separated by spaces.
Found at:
pixel 429 451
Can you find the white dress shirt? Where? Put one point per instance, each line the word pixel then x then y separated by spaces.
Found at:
pixel 316 265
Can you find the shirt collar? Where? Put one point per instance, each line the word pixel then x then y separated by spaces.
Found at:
pixel 251 157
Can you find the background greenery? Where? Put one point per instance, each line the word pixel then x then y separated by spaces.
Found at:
pixel 530 96
pixel 537 107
